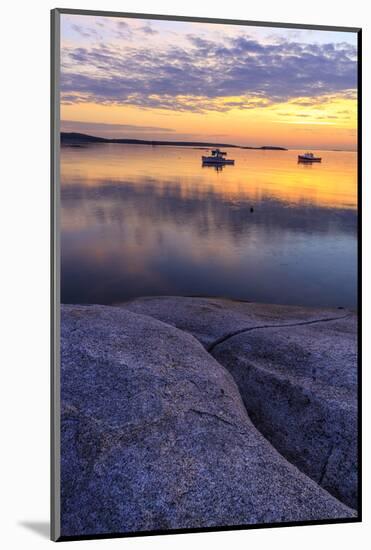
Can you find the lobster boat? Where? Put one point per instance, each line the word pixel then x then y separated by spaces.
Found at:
pixel 217 158
pixel 308 157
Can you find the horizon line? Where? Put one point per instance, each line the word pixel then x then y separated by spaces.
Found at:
pixel 139 141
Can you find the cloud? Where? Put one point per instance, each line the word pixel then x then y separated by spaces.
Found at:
pixel 122 30
pixel 134 131
pixel 206 74
pixel 85 32
pixel 112 130
pixel 147 29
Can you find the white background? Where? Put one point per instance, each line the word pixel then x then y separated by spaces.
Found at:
pixel 24 246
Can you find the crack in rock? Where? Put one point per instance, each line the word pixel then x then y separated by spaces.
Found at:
pixel 325 464
pixel 229 335
pixel 213 415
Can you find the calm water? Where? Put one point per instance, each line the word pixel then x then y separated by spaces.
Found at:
pixel 142 220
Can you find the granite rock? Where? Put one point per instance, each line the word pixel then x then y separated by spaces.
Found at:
pixel 212 319
pixel 299 386
pixel 155 436
pixel 296 369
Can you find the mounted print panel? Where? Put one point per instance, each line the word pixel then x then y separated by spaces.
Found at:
pixel 205 274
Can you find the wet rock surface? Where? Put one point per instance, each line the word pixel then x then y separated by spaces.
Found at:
pixel 155 435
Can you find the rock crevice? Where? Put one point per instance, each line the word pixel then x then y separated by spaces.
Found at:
pixel 296 370
pixel 229 335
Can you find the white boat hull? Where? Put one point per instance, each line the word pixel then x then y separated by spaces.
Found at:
pixel 208 160
pixel 302 158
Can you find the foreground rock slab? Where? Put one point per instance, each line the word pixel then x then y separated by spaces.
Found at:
pixel 300 389
pixel 296 369
pixel 155 435
pixel 213 319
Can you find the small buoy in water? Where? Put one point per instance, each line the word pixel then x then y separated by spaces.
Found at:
pixel 251 209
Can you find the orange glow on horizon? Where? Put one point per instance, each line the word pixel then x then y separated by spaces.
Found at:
pixel 328 124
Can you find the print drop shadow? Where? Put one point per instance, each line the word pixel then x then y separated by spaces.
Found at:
pixel 41 528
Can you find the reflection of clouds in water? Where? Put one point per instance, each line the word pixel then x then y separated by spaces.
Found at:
pixel 116 202
pixel 256 174
pixel 139 221
pixel 138 240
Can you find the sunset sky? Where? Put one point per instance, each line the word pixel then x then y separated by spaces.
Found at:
pixel 174 80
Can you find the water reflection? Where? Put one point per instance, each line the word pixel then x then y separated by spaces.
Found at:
pixel 150 221
pixel 216 167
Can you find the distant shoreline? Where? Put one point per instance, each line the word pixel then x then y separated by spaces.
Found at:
pixel 75 138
